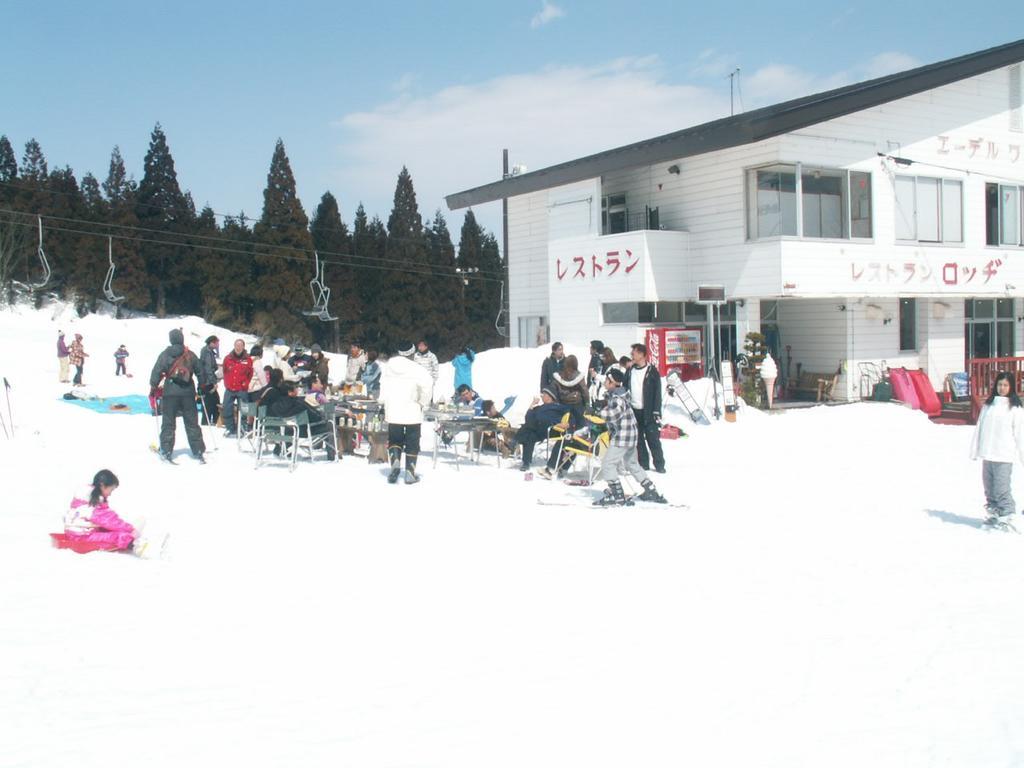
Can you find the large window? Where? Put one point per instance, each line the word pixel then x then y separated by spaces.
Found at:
pixel 800 201
pixel 908 325
pixel 929 210
pixel 613 214
pixel 662 312
pixel 1003 214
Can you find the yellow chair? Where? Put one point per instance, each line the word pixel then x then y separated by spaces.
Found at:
pixel 556 434
pixel 590 446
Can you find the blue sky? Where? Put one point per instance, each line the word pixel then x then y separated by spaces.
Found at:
pixel 356 90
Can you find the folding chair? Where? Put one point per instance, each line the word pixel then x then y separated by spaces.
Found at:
pixel 311 442
pixel 591 445
pixel 278 432
pixel 556 434
pixel 246 433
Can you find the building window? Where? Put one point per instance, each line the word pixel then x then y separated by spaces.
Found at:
pixel 613 214
pixel 833 203
pixel 908 325
pixel 533 331
pixel 1003 214
pixel 929 210
pixel 773 201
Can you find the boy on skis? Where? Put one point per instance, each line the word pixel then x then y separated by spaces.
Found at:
pixel 622 446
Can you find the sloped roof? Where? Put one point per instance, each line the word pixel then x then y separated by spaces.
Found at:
pixel 748 127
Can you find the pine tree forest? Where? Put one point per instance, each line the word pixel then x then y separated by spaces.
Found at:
pixel 384 282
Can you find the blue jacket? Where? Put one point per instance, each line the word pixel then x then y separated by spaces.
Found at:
pixel 371 378
pixel 463 366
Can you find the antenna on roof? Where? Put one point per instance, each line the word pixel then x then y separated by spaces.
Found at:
pixel 734 84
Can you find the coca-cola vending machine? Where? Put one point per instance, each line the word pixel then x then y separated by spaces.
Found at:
pixel 677 349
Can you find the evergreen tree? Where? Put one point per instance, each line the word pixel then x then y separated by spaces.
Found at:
pixel 130 278
pixel 160 205
pixel 367 274
pixel 332 240
pixel 480 261
pixel 96 206
pixel 402 298
pixel 33 164
pixel 117 186
pixel 8 165
pixel 283 261
pixel 73 256
pixel 445 316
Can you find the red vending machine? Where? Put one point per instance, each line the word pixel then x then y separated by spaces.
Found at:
pixel 677 349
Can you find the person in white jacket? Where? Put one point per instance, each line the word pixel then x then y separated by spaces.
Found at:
pixel 405 389
pixel 998 440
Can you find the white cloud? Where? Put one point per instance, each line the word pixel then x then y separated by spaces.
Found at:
pixel 405 82
pixel 548 13
pixel 779 82
pixel 452 139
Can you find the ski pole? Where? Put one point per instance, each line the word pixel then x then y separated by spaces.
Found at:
pixel 10 417
pixel 213 430
pixel 3 423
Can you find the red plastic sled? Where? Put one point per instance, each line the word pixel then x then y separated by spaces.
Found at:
pixel 926 394
pixel 903 388
pixel 62 541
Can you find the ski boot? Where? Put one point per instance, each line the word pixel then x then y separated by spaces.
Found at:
pixel 395 454
pixel 613 496
pixel 651 493
pixel 411 478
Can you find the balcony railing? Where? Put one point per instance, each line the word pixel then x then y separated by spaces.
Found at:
pixel 631 221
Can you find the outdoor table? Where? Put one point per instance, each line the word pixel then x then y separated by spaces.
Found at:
pixel 354 417
pixel 453 422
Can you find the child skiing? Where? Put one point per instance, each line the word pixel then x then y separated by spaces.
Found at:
pixel 120 356
pixel 622 449
pixel 90 520
pixel 998 440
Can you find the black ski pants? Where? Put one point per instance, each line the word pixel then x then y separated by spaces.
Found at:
pixel 185 406
pixel 650 437
pixel 404 437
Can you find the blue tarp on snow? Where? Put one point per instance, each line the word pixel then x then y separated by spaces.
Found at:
pixel 136 404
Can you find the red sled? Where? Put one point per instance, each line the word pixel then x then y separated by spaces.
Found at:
pixel 63 541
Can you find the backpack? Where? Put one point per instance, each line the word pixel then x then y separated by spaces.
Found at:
pixel 180 371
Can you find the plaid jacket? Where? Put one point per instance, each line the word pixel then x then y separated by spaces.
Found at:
pixel 620 419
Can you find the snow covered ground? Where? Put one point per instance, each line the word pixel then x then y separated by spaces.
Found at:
pixel 827 600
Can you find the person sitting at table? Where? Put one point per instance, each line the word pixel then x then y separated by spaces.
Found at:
pixel 503 436
pixel 544 413
pixel 466 395
pixel 286 403
pixel 317 390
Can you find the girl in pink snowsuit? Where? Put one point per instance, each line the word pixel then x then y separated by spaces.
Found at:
pixel 90 519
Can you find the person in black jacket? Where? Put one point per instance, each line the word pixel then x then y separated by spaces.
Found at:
pixel 596 365
pixel 283 402
pixel 545 412
pixel 177 365
pixel 644 385
pixel 552 365
pixel 208 379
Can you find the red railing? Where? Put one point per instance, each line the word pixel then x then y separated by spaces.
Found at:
pixel 982 372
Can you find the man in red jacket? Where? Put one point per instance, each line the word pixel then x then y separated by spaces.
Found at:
pixel 237 374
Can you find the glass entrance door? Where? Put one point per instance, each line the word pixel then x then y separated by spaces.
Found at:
pixel 989 328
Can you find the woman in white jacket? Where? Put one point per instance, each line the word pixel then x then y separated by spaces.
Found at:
pixel 405 390
pixel 998 440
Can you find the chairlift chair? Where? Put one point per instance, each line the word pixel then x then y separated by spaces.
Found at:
pixel 47 272
pixel 321 292
pixel 108 287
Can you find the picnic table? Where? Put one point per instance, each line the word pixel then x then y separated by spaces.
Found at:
pixel 456 421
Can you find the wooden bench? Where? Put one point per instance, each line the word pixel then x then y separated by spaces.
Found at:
pixel 815 384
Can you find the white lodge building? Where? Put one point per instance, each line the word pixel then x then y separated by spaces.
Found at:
pixel 880 221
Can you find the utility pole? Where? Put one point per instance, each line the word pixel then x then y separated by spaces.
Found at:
pixel 504 247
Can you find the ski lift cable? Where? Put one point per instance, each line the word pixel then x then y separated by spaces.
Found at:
pixel 221 249
pixel 160 209
pixel 220 239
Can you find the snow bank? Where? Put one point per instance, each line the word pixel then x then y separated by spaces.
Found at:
pixel 827 598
